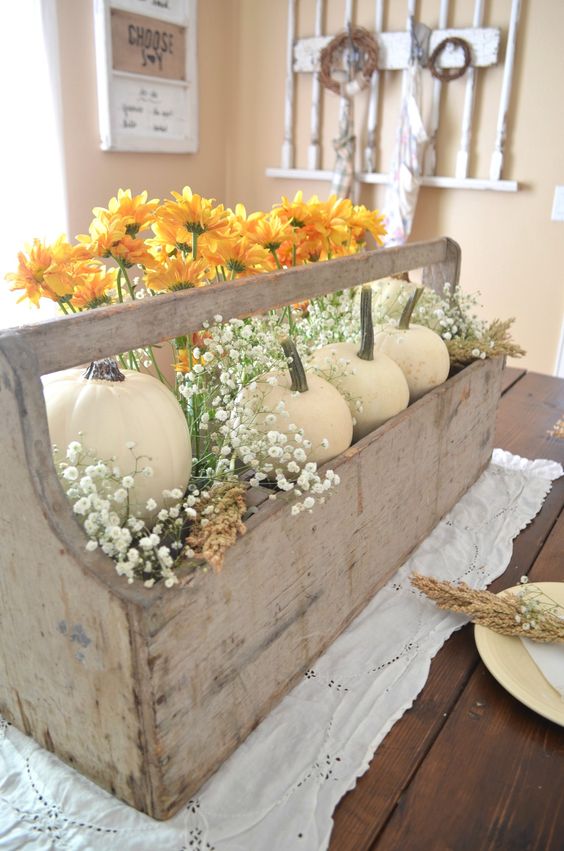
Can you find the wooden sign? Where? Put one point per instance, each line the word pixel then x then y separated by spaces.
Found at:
pixel 143 45
pixel 147 75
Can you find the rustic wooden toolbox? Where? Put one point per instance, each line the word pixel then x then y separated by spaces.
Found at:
pixel 147 691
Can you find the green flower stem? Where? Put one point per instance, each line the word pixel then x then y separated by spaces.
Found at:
pixel 118 285
pixel 133 362
pixel 194 245
pixel 291 324
pixel 123 270
pixel 61 304
pixel 409 308
pixel 157 369
pixel 275 255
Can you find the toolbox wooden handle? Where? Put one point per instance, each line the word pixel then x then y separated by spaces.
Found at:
pixel 71 340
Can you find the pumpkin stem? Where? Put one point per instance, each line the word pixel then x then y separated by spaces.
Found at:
pixel 409 308
pixel 295 365
pixel 105 369
pixel 366 351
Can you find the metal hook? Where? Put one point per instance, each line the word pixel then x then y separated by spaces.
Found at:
pixel 353 54
pixel 420 35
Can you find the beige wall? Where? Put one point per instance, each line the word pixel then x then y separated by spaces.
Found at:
pixel 93 175
pixel 511 250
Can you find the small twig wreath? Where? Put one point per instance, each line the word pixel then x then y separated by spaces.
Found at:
pixel 367 47
pixel 448 74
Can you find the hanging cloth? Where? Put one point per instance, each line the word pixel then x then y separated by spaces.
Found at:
pixel 343 183
pixel 407 162
pixel 361 61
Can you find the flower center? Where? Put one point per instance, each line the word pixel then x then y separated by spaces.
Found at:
pixel 195 227
pixel 235 266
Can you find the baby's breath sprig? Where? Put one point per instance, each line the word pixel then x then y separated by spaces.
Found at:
pixel 529 613
pixel 100 495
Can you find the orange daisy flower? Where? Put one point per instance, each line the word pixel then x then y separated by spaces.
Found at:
pixel 45 271
pixel 92 289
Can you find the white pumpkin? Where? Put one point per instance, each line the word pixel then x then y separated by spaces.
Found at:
pixel 420 352
pixel 312 404
pixel 109 412
pixel 372 383
pixel 389 294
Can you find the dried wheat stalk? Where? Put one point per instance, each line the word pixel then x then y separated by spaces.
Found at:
pixel 219 523
pixel 524 616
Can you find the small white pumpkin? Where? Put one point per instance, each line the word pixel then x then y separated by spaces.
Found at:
pixel 110 409
pixel 389 294
pixel 370 378
pixel 420 352
pixel 312 404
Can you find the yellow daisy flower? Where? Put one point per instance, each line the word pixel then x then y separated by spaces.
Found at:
pixel 241 257
pixel 362 220
pixel 189 222
pixel 177 273
pixel 135 212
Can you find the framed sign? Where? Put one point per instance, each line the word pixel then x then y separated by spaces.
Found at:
pixel 147 75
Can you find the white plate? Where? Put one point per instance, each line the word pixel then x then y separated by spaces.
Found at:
pixel 507 660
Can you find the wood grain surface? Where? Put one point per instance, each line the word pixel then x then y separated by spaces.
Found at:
pixel 468 767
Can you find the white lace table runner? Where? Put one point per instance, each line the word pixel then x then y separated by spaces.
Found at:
pixel 279 789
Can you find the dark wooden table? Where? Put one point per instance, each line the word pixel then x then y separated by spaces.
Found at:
pixel 468 767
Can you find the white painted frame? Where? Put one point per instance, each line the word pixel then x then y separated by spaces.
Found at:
pixel 111 139
pixel 394 52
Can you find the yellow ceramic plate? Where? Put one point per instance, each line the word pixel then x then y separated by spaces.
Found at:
pixel 508 661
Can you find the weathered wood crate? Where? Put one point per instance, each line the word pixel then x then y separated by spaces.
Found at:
pixel 147 691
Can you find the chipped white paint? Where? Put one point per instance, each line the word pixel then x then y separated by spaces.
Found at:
pixel 430 163
pixel 374 100
pixel 314 150
pixel 461 170
pixel 288 145
pixel 436 181
pixel 394 49
pixel 496 165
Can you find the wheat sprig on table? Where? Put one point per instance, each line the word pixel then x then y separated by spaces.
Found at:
pixel 522 614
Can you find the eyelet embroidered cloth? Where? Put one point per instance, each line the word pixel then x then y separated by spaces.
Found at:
pixel 278 791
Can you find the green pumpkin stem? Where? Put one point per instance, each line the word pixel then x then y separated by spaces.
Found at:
pixel 366 351
pixel 409 308
pixel 295 365
pixel 105 369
